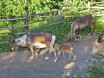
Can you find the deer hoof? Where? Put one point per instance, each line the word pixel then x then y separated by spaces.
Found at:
pixel 55 60
pixel 36 54
pixel 31 57
pixel 46 58
pixel 90 36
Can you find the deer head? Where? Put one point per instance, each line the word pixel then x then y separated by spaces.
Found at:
pixel 19 42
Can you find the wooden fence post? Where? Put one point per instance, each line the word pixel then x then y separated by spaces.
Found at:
pixel 26 22
pixel 88 5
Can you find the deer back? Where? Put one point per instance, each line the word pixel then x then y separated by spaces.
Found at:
pixel 85 21
pixel 38 37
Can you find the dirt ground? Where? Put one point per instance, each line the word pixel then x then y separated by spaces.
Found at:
pixel 19 65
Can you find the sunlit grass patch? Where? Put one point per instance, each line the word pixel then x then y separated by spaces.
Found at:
pixel 4 31
pixel 96 70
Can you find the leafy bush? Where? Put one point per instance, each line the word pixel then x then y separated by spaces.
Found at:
pixel 17 8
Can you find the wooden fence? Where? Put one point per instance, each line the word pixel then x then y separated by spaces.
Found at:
pixel 29 20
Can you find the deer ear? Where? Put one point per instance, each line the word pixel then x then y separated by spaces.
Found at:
pixel 13 41
pixel 16 41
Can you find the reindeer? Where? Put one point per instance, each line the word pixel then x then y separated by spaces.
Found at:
pixel 34 41
pixel 64 48
pixel 85 21
pixel 101 38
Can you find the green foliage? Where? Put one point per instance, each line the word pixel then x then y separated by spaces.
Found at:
pixel 98 25
pixel 17 8
pixel 96 70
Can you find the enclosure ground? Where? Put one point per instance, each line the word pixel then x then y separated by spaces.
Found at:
pixel 18 64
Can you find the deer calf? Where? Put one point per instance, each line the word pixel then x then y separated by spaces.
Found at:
pixel 63 48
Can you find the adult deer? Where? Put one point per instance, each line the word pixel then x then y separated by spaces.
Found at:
pixel 85 21
pixel 35 40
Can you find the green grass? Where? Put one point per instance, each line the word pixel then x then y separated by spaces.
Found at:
pixel 96 70
pixel 60 30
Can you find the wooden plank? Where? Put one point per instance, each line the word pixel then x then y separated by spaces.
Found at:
pixel 4 35
pixel 20 33
pixel 39 27
pixel 20 26
pixel 4 20
pixel 95 7
pixel 44 13
pixel 97 3
pixel 5 42
pixel 99 15
pixel 13 26
pixel 31 23
pixel 47 25
pixel 5 28
pixel 46 19
pixel 83 15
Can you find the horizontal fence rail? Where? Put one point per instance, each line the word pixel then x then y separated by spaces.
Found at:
pixel 44 13
pixel 27 23
pixel 96 7
pixel 4 42
pixel 4 20
pixel 43 17
pixel 57 16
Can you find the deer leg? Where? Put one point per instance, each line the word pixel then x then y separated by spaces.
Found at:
pixel 56 58
pixel 70 38
pixel 77 36
pixel 32 52
pixel 69 56
pixel 36 53
pixel 100 39
pixel 74 56
pixel 63 55
pixel 77 31
pixel 91 29
pixel 47 47
pixel 50 48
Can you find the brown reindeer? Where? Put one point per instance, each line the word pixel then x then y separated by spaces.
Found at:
pixel 64 48
pixel 101 38
pixel 35 40
pixel 85 21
